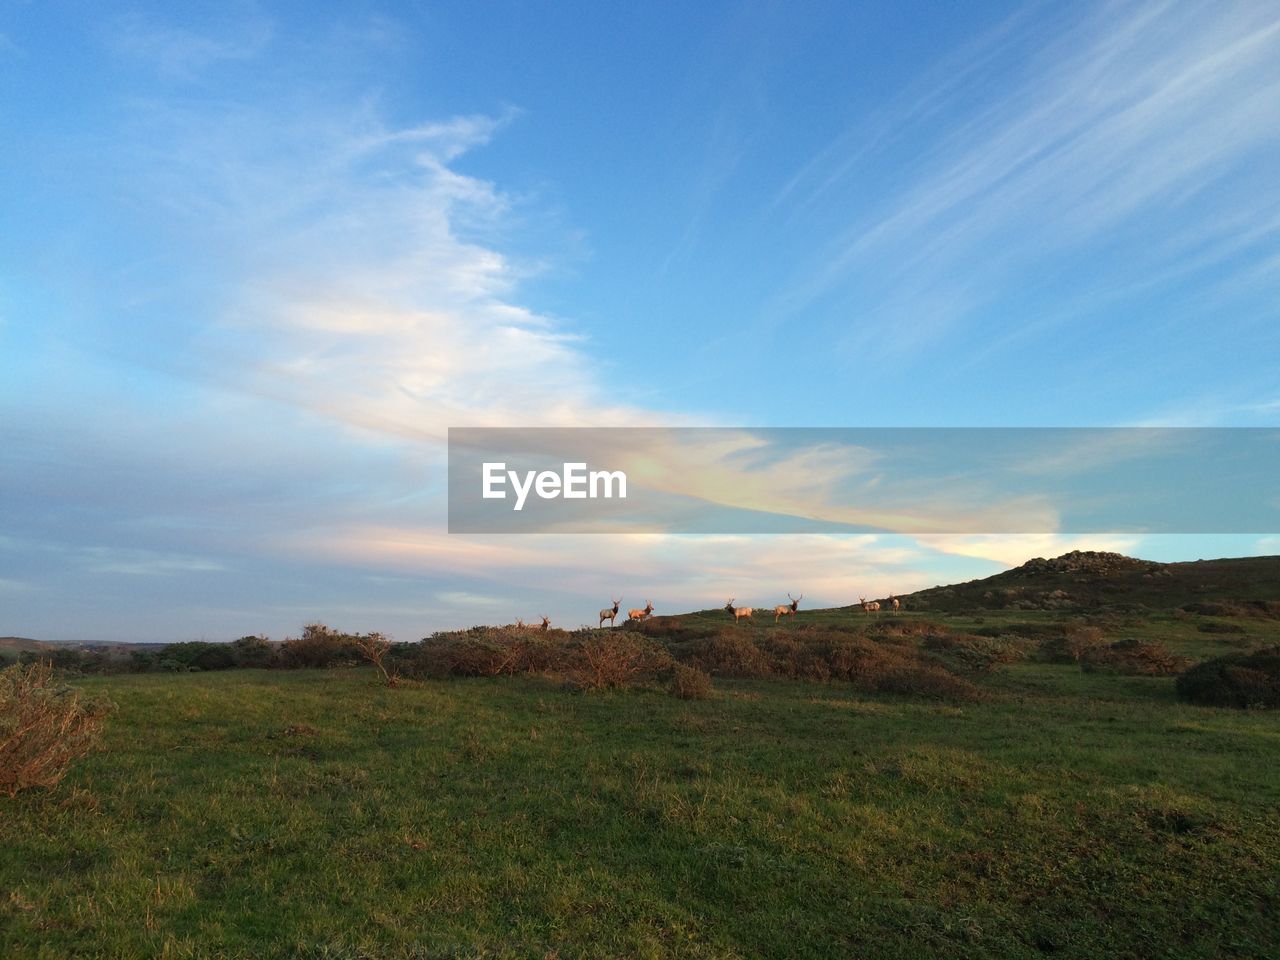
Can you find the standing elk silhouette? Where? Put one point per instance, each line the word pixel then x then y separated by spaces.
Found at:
pixel 640 615
pixel 610 614
pixel 787 610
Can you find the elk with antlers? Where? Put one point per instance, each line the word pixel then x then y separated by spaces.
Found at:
pixel 739 613
pixel 872 607
pixel 610 614
pixel 787 610
pixel 546 624
pixel 638 615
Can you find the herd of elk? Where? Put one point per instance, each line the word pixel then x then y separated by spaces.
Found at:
pixel 787 610
pixel 544 626
pixel 739 613
pixel 641 615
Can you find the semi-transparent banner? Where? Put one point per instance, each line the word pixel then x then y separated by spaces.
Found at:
pixel 819 480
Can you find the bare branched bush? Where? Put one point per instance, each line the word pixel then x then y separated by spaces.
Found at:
pixel 374 647
pixel 1073 645
pixel 44 727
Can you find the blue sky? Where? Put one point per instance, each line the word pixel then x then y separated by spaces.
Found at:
pixel 257 258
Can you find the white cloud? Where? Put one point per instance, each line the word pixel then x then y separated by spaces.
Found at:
pixel 145 563
pixel 349 287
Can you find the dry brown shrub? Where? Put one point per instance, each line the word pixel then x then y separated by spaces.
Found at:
pixel 44 727
pixel 1073 644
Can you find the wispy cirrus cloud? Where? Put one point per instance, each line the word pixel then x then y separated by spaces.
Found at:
pixel 1136 132
pixel 179 54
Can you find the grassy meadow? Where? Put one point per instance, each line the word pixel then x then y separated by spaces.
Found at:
pixel 314 813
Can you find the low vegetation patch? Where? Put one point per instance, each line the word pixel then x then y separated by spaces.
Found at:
pixel 1249 680
pixel 981 653
pixel 1214 627
pixel 823 654
pixel 1133 657
pixel 1235 608
pixel 44 727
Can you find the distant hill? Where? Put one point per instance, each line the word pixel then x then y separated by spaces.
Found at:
pixel 11 647
pixel 1082 580
pixel 22 643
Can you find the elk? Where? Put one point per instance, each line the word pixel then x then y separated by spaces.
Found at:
pixel 645 614
pixel 895 603
pixel 787 610
pixel 739 613
pixel 610 614
pixel 546 624
pixel 872 607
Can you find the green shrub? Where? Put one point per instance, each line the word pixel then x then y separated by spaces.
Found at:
pixel 44 727
pixel 615 659
pixel 731 653
pixel 690 683
pixel 198 655
pixel 818 653
pixel 1236 680
pixel 319 646
pixel 67 659
pixel 254 652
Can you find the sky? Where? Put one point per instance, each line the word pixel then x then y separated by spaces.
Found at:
pixel 257 258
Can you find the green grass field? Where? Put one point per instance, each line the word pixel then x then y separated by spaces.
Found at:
pixel 315 814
